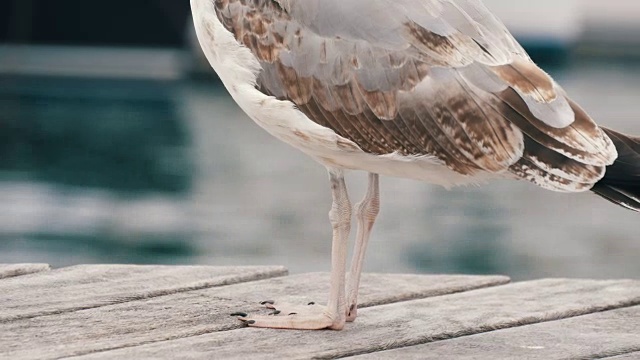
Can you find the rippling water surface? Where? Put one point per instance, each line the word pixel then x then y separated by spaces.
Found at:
pixel 152 172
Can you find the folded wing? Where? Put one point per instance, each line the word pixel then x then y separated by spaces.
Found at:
pixel 437 78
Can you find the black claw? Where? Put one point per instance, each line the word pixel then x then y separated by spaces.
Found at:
pixel 276 312
pixel 293 313
pixel 271 302
pixel 311 303
pixel 239 314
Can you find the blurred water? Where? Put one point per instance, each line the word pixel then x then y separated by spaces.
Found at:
pixel 164 172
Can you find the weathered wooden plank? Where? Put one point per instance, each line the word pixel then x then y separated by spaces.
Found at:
pixel 13 270
pixel 404 324
pixel 592 336
pixel 88 286
pixel 199 312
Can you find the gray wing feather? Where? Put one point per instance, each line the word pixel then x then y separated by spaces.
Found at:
pixel 435 32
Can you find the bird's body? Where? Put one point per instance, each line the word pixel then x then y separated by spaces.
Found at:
pixel 432 90
pixel 239 70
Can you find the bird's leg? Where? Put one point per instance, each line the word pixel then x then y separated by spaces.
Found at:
pixel 332 316
pixel 366 212
pixel 340 217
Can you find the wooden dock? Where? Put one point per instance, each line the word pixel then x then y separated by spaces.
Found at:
pixel 175 312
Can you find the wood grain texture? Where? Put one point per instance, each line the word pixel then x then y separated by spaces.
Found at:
pixel 13 270
pixel 194 313
pixel 404 324
pixel 90 286
pixel 596 335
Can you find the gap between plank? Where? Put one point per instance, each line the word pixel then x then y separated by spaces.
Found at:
pixel 630 355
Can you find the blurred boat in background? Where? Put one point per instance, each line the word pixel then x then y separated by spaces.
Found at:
pixel 551 30
pixel 547 29
pixel 559 22
pixel 611 29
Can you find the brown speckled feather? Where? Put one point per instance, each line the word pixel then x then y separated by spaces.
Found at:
pixel 436 78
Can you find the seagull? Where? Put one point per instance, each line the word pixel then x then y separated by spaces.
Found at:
pixel 432 90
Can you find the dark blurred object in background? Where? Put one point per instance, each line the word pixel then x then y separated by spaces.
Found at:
pixel 151 23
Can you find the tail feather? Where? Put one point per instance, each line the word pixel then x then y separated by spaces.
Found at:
pixel 621 183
